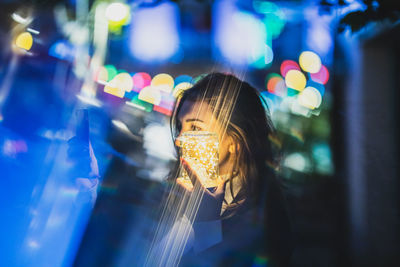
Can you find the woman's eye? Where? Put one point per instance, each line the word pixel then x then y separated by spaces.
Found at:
pixel 195 128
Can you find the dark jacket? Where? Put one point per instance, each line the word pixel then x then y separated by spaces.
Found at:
pixel 254 235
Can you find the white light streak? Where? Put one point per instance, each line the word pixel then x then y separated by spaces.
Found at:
pixel 32 31
pixel 89 100
pixel 16 17
pixel 135 105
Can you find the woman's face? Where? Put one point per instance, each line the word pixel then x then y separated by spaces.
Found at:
pixel 198 116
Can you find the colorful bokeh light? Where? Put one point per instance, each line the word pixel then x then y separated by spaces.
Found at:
pixel 274 23
pixel 162 110
pixel 318 86
pixel 114 90
pixel 24 41
pixel 272 80
pixel 101 75
pixel 292 92
pixel 150 95
pixel 124 81
pixel 310 62
pixel 264 7
pixel 117 13
pixel 180 88
pixel 183 78
pixel 163 82
pixel 288 65
pixel 269 55
pixel 140 104
pixel 154 32
pixel 62 50
pixel 281 89
pixel 260 261
pixel 322 155
pixel 239 37
pixel 322 76
pixel 274 19
pixel 297 161
pixel 295 80
pixel 120 84
pixel 111 72
pixel 140 81
pixel 276 85
pixel 300 92
pixel 310 98
pixel 166 105
pixel 259 63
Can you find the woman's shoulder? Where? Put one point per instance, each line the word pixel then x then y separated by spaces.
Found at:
pixel 262 226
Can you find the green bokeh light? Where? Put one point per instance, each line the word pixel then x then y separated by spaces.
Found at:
pixel 112 72
pixel 274 18
pixel 274 24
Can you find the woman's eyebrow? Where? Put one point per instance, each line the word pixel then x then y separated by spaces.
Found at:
pixel 195 119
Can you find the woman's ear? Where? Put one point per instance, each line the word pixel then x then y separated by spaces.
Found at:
pixel 232 148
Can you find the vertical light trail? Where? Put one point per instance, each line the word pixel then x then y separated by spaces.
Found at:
pixel 177 217
pixel 5 87
pixel 100 39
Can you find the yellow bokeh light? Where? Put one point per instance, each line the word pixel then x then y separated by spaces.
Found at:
pixel 164 82
pixel 24 41
pixel 310 98
pixel 119 85
pixel 296 80
pixel 180 88
pixel 124 81
pixel 310 62
pixel 114 91
pixel 151 95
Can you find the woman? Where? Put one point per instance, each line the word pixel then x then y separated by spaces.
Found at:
pixel 244 218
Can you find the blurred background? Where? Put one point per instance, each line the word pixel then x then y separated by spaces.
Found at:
pixel 86 92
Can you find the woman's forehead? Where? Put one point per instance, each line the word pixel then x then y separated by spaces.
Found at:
pixel 195 109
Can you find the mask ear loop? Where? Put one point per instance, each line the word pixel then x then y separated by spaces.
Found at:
pixel 234 149
pixel 230 178
pixel 235 172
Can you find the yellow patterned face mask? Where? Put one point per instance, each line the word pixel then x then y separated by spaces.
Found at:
pixel 200 149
